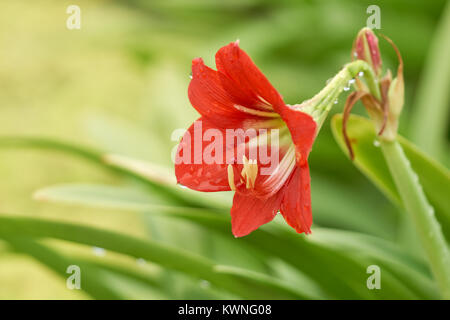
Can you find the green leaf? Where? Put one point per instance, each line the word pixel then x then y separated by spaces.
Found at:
pixel 92 279
pixel 266 287
pixel 133 199
pixel 377 218
pixel 177 233
pixel 166 256
pixel 95 195
pixel 214 222
pixel 430 118
pixel 434 178
pixel 408 269
pixel 346 279
pixel 159 182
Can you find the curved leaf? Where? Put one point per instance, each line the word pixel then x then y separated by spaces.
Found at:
pixel 96 195
pixel 434 178
pixel 346 278
pixel 158 182
pixel 168 257
pixel 220 223
pixel 92 279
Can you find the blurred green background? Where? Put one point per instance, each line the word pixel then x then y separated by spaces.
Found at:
pixel 119 84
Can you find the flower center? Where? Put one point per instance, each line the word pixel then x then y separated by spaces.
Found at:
pixel 281 173
pixel 249 172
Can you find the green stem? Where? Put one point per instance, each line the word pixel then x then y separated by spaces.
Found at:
pixel 421 212
pixel 320 105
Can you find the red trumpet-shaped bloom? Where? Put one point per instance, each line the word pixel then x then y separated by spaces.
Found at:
pixel 238 101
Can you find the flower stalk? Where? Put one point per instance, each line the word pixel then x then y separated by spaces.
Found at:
pixel 421 213
pixel 383 98
pixel 320 105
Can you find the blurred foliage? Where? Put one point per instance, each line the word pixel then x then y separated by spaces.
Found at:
pixel 119 86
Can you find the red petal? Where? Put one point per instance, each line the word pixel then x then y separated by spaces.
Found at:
pixel 247 84
pixel 200 176
pixel 302 128
pixel 213 102
pixel 243 80
pixel 296 205
pixel 249 213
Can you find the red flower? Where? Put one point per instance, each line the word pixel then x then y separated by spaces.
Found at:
pixel 238 99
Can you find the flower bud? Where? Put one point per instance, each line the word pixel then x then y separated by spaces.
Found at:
pixel 383 99
pixel 366 48
pixel 396 93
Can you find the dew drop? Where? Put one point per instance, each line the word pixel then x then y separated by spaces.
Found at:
pixel 361 73
pixel 351 81
pixel 376 143
pixel 336 101
pixel 431 211
pixel 99 252
pixel 204 284
pixel 346 88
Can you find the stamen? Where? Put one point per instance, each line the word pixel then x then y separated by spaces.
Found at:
pixel 282 172
pixel 265 104
pixel 231 177
pixel 268 114
pixel 249 172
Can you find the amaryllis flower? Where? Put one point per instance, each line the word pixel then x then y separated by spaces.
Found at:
pixel 238 100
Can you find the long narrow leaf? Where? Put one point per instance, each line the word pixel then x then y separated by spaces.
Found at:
pixel 159 184
pixel 434 178
pixel 346 279
pixel 220 223
pixel 92 279
pixel 168 257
